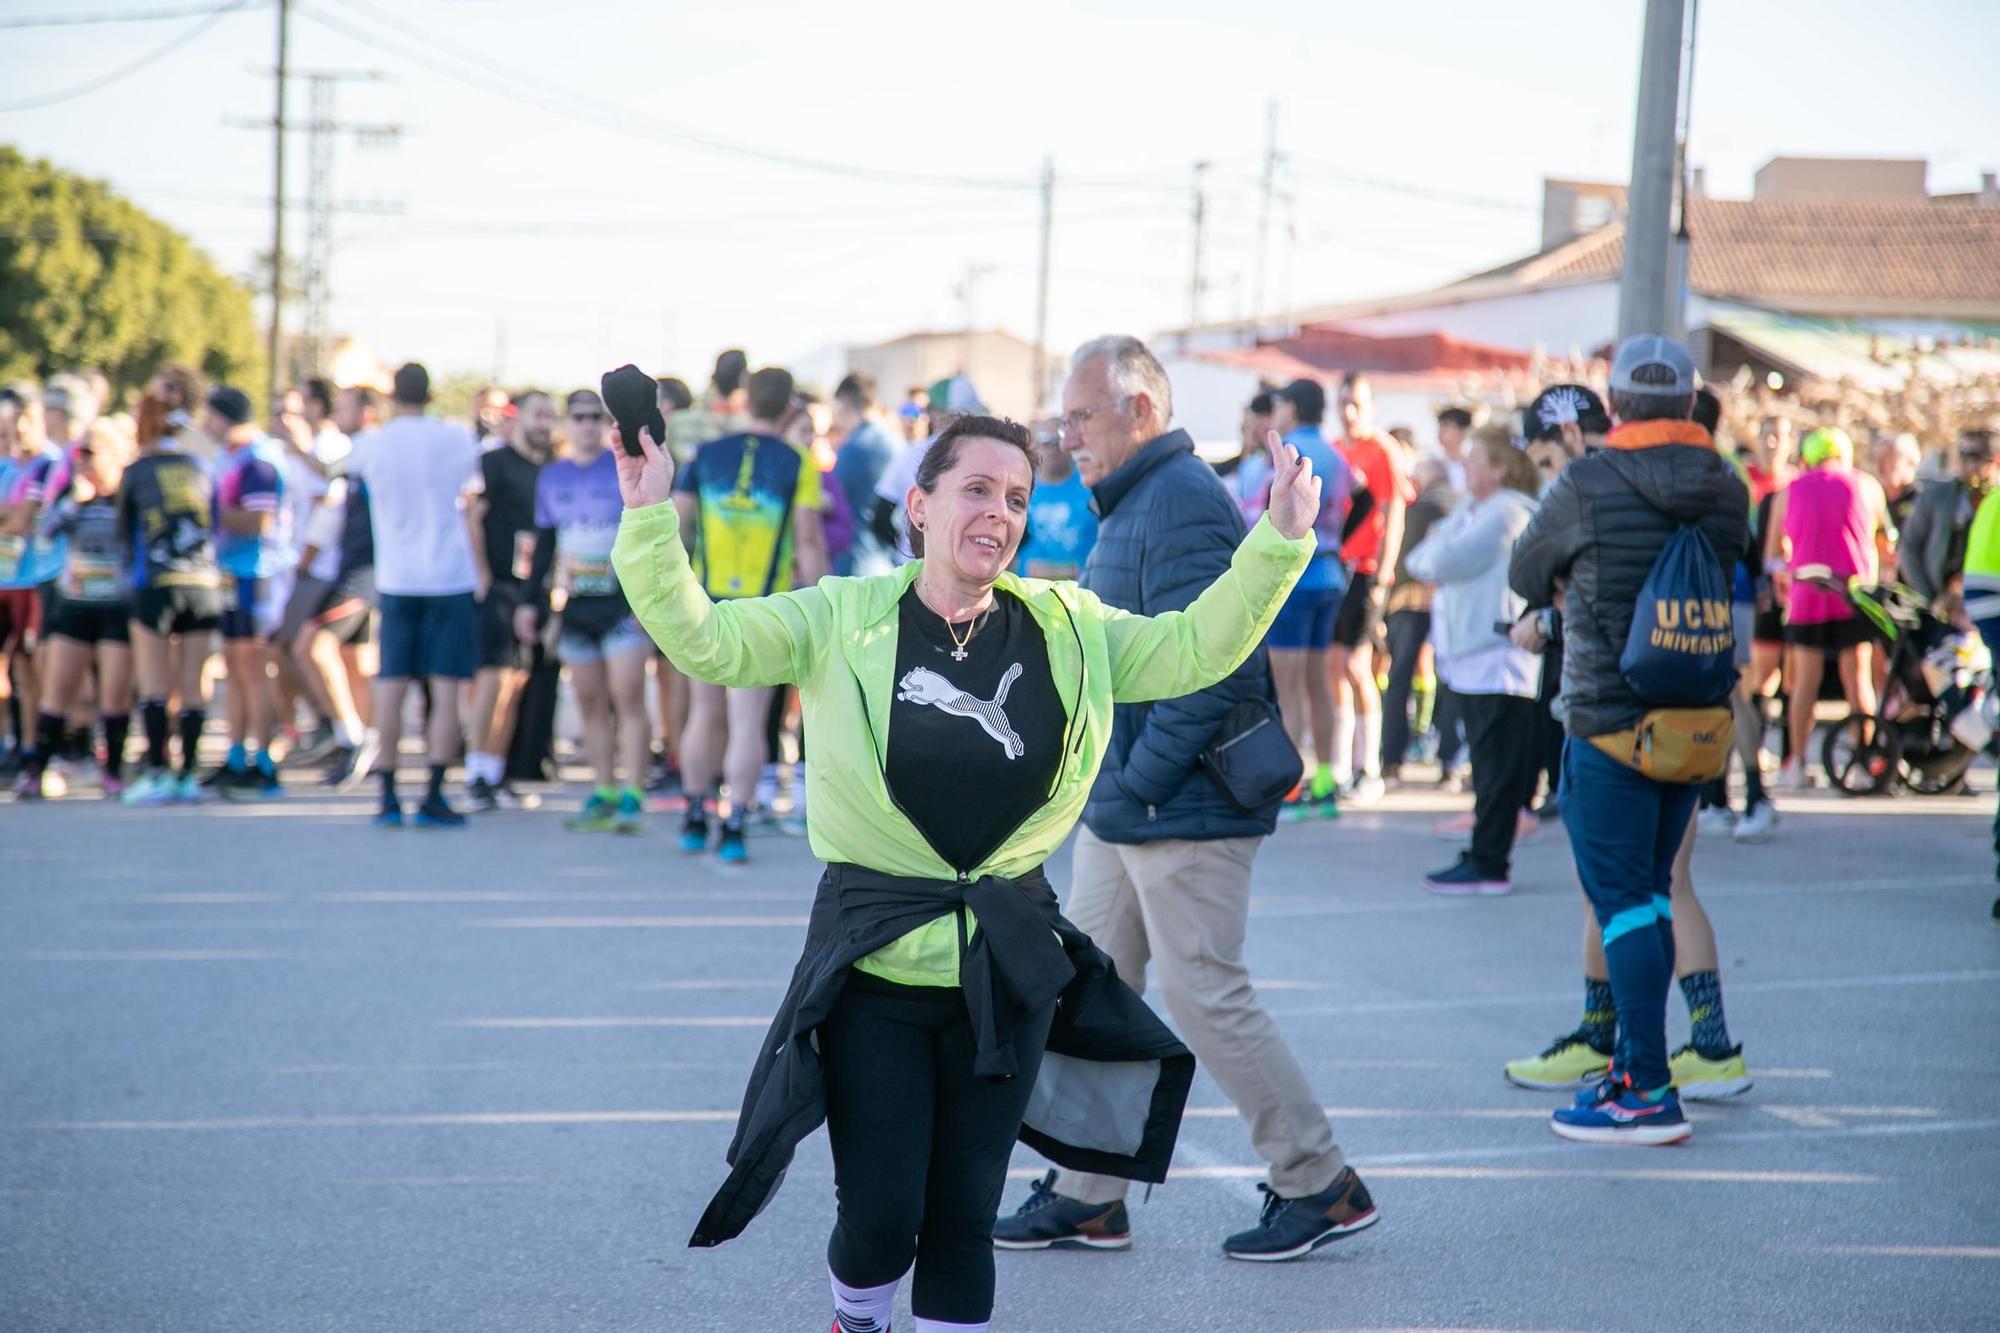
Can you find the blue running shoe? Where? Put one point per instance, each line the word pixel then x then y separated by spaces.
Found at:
pixel 730 847
pixel 694 834
pixel 1614 1112
pixel 436 812
pixel 390 815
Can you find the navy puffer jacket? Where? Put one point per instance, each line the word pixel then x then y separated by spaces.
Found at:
pixel 1167 528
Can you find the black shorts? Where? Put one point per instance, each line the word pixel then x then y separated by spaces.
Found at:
pixel 178 610
pixel 248 612
pixel 1829 634
pixel 346 608
pixel 1355 625
pixel 499 647
pixel 1770 625
pixel 90 622
pixel 432 635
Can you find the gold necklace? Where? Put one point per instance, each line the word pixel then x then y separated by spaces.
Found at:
pixel 971 628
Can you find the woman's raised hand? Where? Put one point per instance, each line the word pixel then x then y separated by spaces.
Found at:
pixel 647 479
pixel 1294 489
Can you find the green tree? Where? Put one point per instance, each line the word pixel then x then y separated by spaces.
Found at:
pixel 89 280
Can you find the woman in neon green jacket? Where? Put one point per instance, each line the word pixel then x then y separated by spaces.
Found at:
pixel 958 714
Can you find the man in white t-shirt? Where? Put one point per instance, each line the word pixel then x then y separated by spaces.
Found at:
pixel 417 469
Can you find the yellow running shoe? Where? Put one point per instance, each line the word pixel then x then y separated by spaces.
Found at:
pixel 1569 1062
pixel 1703 1080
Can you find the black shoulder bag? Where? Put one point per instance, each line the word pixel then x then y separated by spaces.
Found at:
pixel 1251 757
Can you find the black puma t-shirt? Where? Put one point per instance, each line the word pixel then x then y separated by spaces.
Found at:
pixel 974 745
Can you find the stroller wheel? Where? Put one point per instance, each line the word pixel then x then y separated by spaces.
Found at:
pixel 1861 757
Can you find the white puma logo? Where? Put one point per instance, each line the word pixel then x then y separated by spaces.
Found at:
pixel 924 686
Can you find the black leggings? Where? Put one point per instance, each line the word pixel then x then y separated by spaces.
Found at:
pixel 920 1145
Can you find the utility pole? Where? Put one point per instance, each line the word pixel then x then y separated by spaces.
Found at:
pixel 321 131
pixel 1643 295
pixel 278 209
pixel 1040 372
pixel 1264 220
pixel 1195 284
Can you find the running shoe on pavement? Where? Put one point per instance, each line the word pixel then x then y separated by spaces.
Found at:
pixel 599 813
pixel 390 815
pixel 1367 790
pixel 1047 1220
pixel 114 786
pixel 1462 878
pixel 1718 821
pixel 1757 824
pixel 1793 777
pixel 730 847
pixel 28 787
pixel 1616 1112
pixel 1569 1062
pixel 158 788
pixel 351 764
pixel 1700 1079
pixel 1290 1228
pixel 479 797
pixel 321 743
pixel 630 817
pixel 187 789
pixel 436 812
pixel 694 831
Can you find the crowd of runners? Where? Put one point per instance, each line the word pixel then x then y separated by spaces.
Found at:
pixel 1585 613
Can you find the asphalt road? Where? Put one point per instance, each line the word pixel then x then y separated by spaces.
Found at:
pixel 268 1069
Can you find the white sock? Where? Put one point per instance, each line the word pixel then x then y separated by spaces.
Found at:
pixel 1369 761
pixel 863 1309
pixel 349 730
pixel 939 1326
pixel 475 765
pixel 1343 745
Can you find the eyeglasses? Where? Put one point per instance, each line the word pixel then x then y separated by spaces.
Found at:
pixel 1073 422
pixel 586 416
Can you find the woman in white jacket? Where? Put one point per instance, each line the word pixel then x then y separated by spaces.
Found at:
pixel 1466 556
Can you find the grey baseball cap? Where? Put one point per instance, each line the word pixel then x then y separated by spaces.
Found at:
pixel 1652 349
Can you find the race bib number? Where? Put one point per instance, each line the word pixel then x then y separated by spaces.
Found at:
pixel 524 555
pixel 11 550
pixel 589 577
pixel 91 579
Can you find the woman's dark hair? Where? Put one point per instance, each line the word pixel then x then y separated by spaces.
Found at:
pixel 943 454
pixel 1517 471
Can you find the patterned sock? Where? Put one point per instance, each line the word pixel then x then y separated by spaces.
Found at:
pixel 862 1309
pixel 1703 992
pixel 1600 1015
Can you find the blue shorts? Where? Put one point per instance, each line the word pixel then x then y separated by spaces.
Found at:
pixel 579 646
pixel 1305 621
pixel 429 636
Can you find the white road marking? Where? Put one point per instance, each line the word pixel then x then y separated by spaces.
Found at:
pixel 1695 1175
pixel 154 955
pixel 1903 1251
pixel 635 1021
pixel 635 922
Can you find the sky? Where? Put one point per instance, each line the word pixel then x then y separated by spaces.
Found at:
pixel 589 182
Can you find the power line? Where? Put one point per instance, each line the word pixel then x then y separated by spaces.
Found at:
pixel 215 16
pixel 118 16
pixel 525 87
pixel 1328 172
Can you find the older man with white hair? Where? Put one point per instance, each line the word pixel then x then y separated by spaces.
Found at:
pixel 1162 864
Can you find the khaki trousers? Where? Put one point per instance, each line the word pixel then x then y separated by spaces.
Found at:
pixel 1184 907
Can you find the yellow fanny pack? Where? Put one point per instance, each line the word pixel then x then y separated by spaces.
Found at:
pixel 1675 744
